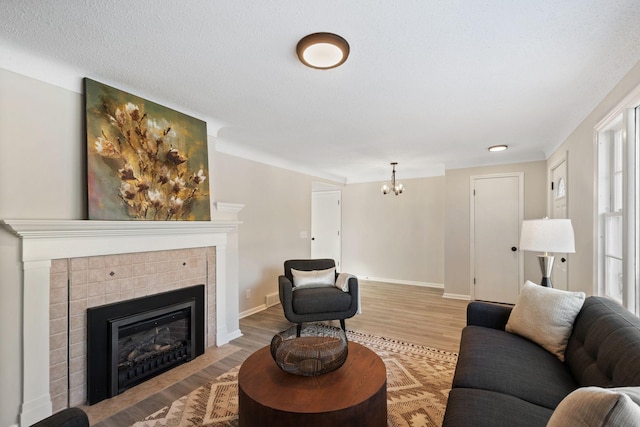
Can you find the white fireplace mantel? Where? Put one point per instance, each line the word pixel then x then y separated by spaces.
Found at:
pixel 45 240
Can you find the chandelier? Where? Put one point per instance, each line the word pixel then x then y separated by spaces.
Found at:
pixel 395 187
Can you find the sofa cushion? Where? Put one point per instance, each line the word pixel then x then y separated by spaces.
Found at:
pixel 595 406
pixel 479 408
pixel 320 300
pixel 604 348
pixel 313 278
pixel 489 315
pixel 545 316
pixel 493 360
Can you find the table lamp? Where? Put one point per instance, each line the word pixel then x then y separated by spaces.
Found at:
pixel 547 235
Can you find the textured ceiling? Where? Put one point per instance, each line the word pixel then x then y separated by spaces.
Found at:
pixel 429 84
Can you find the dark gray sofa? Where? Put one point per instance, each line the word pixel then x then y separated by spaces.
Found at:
pixel 502 379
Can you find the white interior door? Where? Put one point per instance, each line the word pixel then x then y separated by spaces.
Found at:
pixel 560 272
pixel 326 223
pixel 496 267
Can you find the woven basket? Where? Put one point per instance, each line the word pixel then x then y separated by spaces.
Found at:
pixel 318 350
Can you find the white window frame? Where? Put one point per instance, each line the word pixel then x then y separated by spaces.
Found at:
pixel 611 195
pixel 626 117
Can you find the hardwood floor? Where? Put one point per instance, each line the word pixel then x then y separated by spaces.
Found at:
pixel 407 313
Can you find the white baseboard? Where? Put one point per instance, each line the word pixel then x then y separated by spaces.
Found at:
pixel 403 282
pixel 269 301
pixel 253 310
pixel 233 335
pixel 456 296
pixel 223 337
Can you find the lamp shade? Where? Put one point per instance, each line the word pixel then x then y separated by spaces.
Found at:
pixel 547 235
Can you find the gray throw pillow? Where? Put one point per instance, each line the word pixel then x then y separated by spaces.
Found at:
pixel 595 406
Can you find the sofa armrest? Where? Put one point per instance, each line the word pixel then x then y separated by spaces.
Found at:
pixel 70 417
pixel 488 314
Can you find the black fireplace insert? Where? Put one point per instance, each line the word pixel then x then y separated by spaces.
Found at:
pixel 132 341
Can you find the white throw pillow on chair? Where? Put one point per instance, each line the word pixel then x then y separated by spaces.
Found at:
pixel 313 278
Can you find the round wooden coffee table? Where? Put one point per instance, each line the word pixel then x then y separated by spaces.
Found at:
pixel 353 395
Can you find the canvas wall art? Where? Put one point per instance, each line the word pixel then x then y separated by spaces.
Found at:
pixel 144 161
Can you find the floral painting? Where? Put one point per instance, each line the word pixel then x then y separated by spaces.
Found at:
pixel 144 161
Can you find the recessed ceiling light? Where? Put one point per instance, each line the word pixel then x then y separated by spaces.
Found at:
pixel 495 148
pixel 322 50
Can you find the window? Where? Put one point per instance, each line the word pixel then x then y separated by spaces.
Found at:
pixel 562 190
pixel 617 231
pixel 610 209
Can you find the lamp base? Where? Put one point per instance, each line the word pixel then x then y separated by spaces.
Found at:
pixel 546 265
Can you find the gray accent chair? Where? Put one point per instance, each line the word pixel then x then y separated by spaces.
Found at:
pixel 316 304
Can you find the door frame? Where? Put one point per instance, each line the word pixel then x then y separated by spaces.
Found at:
pixel 338 192
pixel 472 214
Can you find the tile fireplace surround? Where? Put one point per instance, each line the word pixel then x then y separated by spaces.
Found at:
pixel 48 240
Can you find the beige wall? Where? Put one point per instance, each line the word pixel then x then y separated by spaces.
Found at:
pixel 387 237
pixel 457 228
pixel 580 147
pixel 277 208
pixel 42 176
pixel 408 238
pixel 392 237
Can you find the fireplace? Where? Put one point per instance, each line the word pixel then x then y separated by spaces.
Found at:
pixel 147 344
pixel 44 242
pixel 132 341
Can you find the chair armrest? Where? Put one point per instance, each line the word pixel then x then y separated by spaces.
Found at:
pixel 285 291
pixel 354 289
pixel 488 314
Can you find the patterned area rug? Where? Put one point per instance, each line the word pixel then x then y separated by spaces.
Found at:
pixel 418 383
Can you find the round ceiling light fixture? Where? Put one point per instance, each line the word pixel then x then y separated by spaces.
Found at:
pixel 322 50
pixel 496 148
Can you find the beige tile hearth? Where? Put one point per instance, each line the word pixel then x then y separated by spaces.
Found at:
pixel 80 283
pixel 109 407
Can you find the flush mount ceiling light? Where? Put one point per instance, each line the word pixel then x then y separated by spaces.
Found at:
pixel 322 50
pixel 496 148
pixel 396 187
